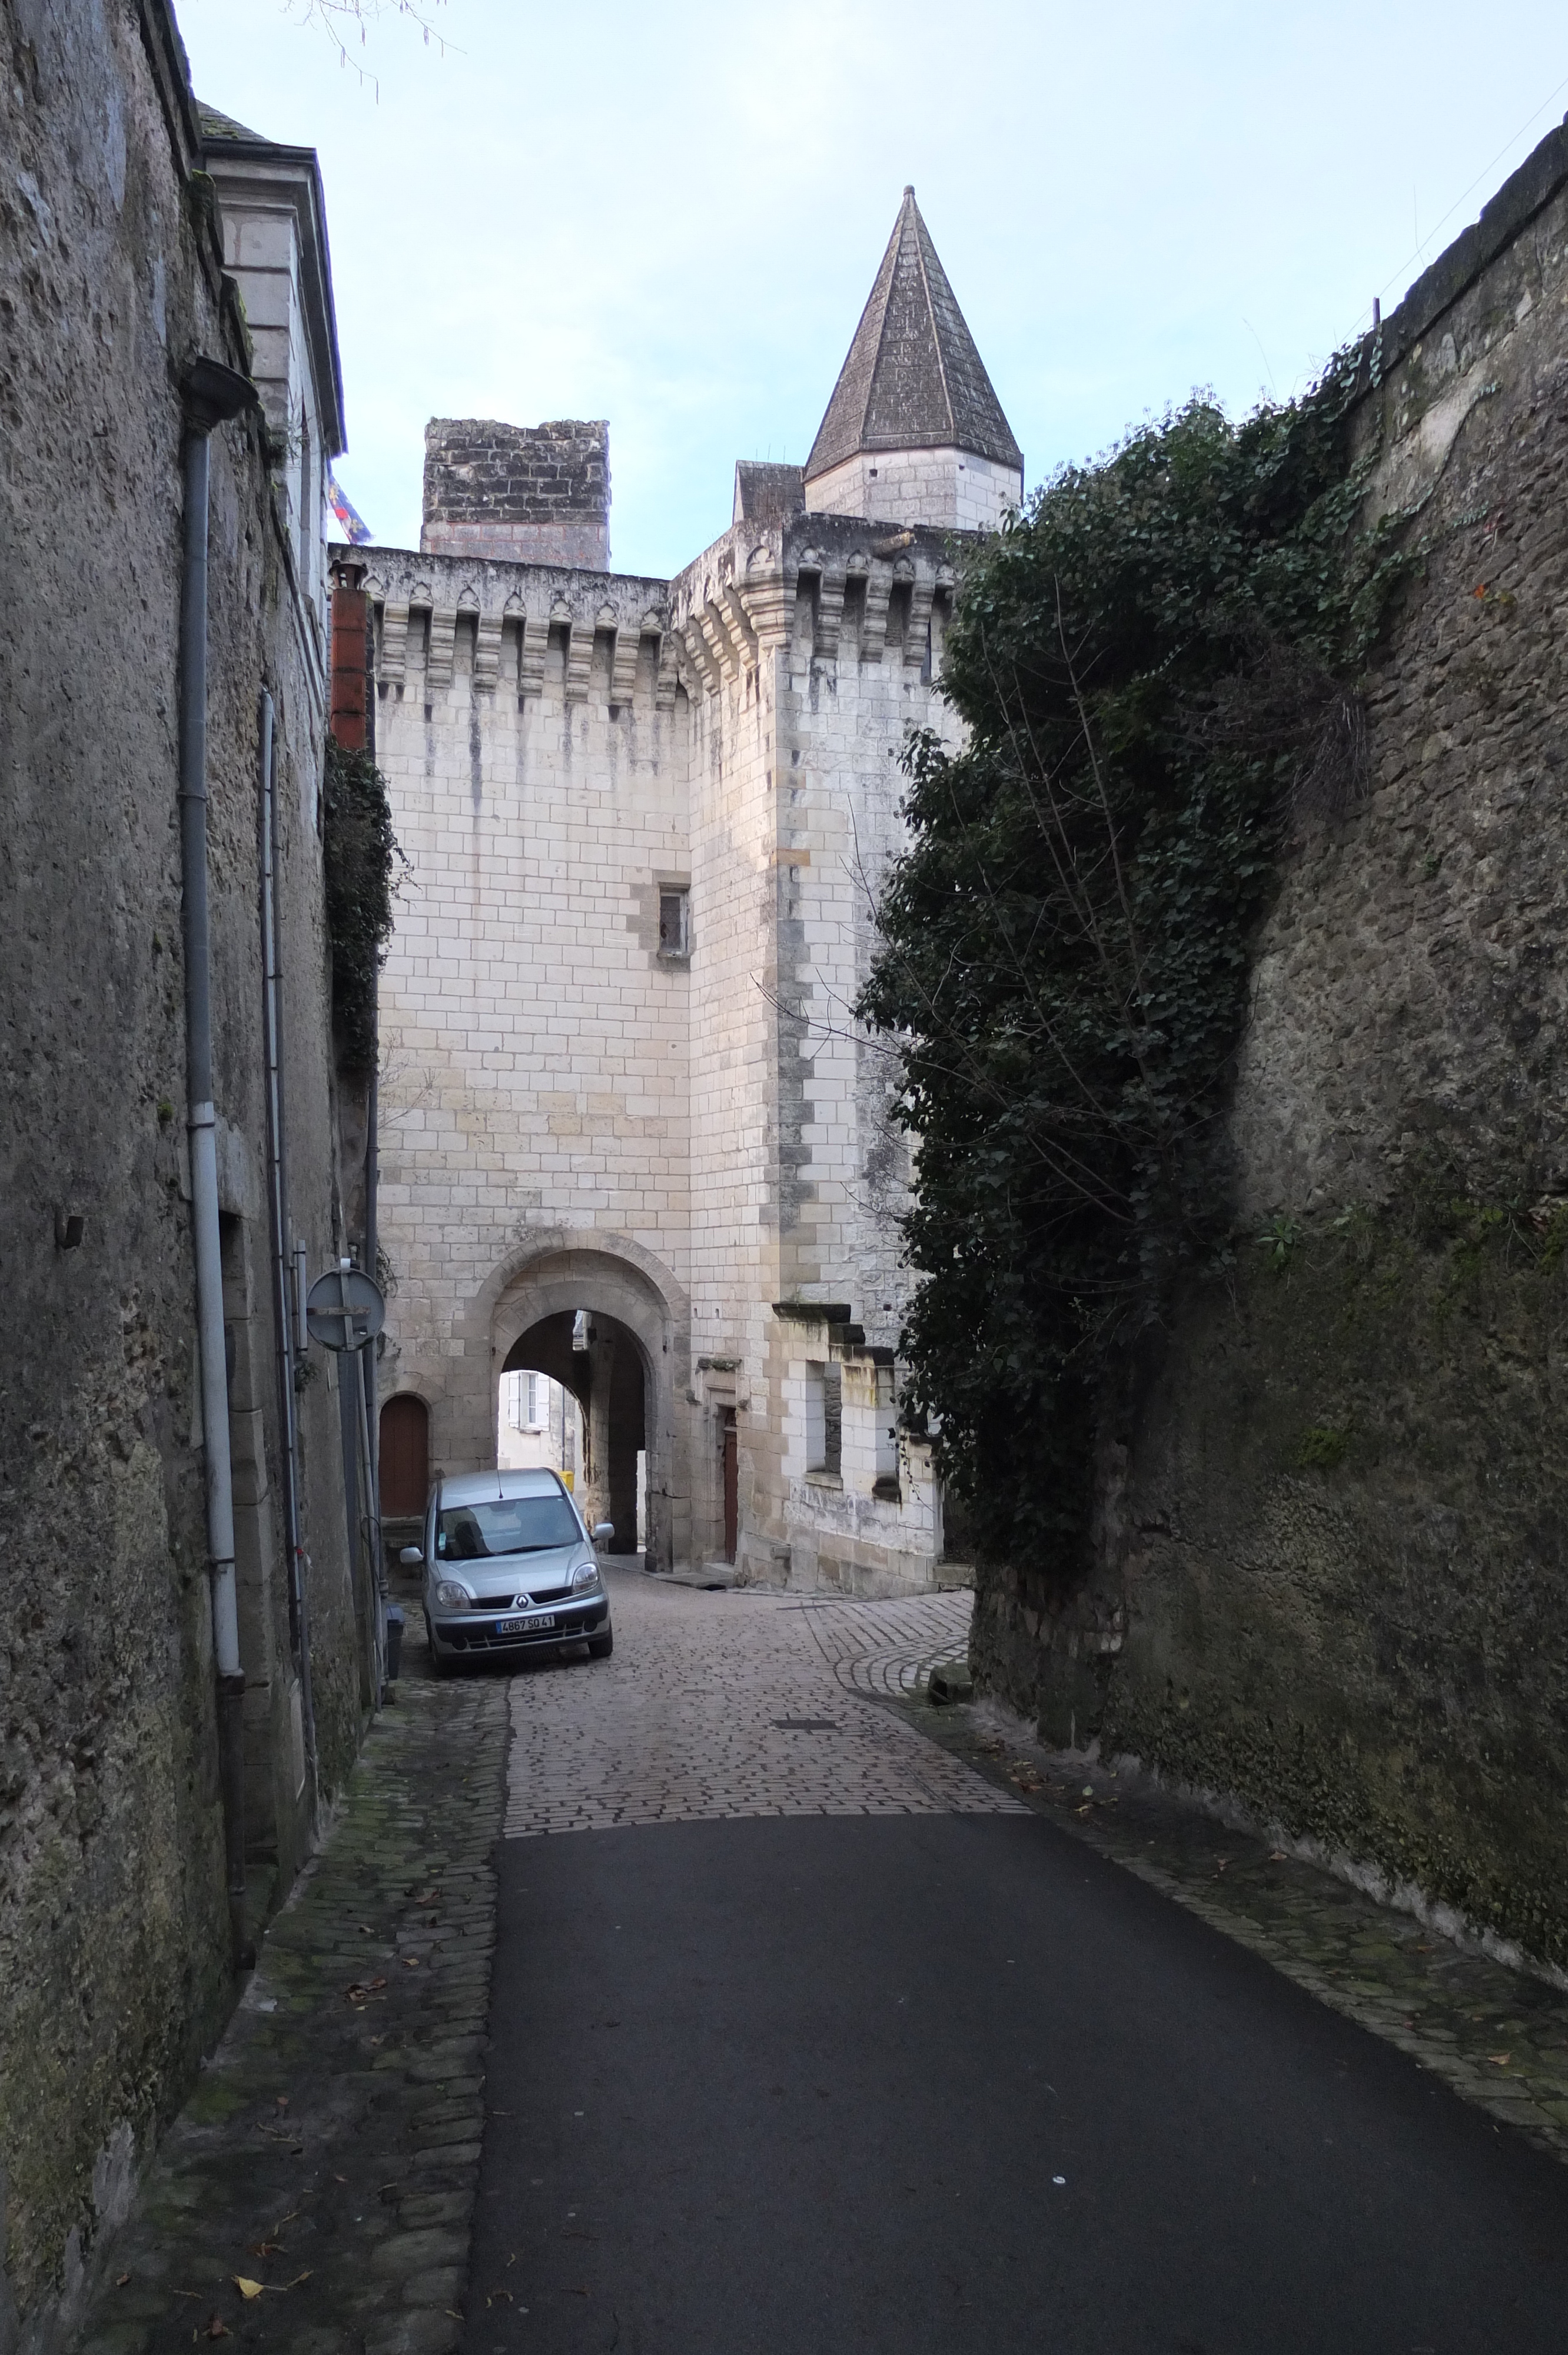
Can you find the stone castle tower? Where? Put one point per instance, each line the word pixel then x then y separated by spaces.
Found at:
pixel 646 819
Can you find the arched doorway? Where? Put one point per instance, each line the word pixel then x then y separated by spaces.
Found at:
pixel 404 1457
pixel 606 1376
pixel 633 1301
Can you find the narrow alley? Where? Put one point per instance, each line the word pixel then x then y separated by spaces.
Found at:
pixel 801 2033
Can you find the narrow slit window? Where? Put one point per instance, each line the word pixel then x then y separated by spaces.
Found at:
pixel 824 1418
pixel 674 922
pixel 887 1483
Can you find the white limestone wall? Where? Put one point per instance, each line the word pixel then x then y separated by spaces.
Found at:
pixel 841 1534
pixel 807 664
pixel 951 489
pixel 849 718
pixel 564 1107
pixel 261 249
pixel 733 1248
pixel 581 544
pixel 536 1083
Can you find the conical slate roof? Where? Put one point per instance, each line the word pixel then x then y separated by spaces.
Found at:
pixel 913 379
pixel 214 124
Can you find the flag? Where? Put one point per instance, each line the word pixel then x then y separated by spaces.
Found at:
pixel 356 531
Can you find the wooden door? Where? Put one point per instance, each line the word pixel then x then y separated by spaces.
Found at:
pixel 404 1457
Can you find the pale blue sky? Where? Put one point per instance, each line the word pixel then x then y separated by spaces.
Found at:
pixel 671 217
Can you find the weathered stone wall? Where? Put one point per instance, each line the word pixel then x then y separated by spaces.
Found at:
pixel 1333 1558
pixel 115 1966
pixel 537 494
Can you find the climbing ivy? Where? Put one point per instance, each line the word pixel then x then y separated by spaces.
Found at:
pixel 1157 664
pixel 359 853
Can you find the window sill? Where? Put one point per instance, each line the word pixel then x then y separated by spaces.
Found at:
pixel 673 956
pixel 820 1479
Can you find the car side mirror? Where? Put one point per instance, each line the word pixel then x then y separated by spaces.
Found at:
pixel 603 1530
pixel 411 1556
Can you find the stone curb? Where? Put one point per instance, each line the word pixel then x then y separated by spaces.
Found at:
pixel 1498 2037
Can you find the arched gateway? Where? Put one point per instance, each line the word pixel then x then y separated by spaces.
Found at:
pixel 625 1379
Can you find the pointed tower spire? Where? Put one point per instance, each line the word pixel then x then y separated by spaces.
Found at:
pixel 914 433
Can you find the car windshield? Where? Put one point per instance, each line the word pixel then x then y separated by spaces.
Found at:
pixel 507 1525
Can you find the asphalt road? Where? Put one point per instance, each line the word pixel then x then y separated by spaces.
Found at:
pixel 945 2081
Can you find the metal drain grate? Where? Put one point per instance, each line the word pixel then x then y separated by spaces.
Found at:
pixel 807 1724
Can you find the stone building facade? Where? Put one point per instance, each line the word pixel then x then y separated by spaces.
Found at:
pixel 1333 1575
pixel 647 820
pixel 151 254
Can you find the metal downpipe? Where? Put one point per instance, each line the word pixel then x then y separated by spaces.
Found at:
pixel 283 1318
pixel 368 1356
pixel 213 393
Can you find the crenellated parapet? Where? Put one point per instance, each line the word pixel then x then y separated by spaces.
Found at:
pixel 825 588
pixel 821 589
pixel 519 629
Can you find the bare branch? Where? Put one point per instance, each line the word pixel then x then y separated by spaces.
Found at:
pixel 342 20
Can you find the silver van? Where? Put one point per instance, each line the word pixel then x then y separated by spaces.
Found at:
pixel 509 1568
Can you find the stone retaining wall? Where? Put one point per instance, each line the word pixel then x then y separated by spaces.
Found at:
pixel 1331 1560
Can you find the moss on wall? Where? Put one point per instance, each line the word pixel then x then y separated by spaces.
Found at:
pixel 1334 1580
pixel 1329 1571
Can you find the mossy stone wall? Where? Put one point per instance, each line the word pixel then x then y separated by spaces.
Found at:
pixel 1329 1571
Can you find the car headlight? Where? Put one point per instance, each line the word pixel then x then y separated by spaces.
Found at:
pixel 585 1575
pixel 451 1596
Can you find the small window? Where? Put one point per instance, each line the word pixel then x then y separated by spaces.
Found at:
pixel 887 1485
pixel 527 1401
pixel 824 1419
pixel 674 922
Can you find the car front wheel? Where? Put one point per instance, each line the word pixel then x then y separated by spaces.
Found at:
pixel 601 1646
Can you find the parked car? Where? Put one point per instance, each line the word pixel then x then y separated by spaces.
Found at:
pixel 510 1569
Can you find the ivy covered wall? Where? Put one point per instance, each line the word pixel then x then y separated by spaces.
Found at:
pixel 1325 1571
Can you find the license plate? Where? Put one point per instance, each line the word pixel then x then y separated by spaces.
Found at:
pixel 523 1627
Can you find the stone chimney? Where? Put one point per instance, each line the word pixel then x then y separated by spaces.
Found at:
pixel 535 493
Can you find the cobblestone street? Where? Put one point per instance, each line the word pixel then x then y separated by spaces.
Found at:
pixel 736 1704
pixel 821 2037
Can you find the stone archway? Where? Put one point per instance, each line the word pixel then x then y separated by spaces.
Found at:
pixel 640 1314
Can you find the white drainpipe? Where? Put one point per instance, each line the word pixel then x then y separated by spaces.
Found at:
pixel 213 394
